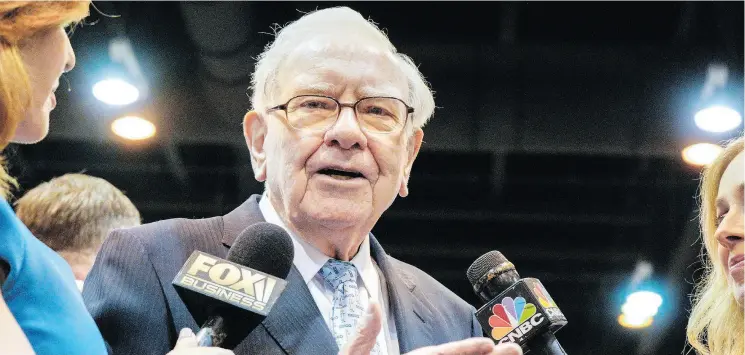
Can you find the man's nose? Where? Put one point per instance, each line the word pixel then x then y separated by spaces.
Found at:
pixel 346 132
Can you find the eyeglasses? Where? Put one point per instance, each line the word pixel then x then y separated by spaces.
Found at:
pixel 319 113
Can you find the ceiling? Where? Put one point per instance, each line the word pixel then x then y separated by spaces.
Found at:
pixel 556 139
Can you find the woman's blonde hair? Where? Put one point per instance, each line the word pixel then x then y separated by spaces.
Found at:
pixel 19 21
pixel 716 323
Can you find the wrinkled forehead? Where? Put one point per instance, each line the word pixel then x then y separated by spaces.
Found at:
pixel 336 69
pixel 733 176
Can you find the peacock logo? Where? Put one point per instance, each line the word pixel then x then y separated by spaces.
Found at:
pixel 543 298
pixel 510 314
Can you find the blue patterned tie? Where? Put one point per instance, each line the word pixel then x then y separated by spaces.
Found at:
pixel 346 309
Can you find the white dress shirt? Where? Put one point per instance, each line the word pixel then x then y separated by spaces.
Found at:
pixel 309 261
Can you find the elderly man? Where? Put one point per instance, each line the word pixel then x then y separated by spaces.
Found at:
pixel 334 131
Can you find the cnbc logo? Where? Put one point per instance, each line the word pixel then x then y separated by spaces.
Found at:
pixel 513 318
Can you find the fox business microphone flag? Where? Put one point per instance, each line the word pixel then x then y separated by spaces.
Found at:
pixel 229 282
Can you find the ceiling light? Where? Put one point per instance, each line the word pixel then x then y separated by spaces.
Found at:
pixel 701 153
pixel 116 92
pixel 717 119
pixel 640 309
pixel 133 128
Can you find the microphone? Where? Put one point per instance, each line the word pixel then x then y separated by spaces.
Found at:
pixel 229 298
pixel 516 310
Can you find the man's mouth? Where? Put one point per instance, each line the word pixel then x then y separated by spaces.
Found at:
pixel 340 174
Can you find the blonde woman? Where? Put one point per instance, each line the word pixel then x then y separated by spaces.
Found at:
pixel 716 323
pixel 38 295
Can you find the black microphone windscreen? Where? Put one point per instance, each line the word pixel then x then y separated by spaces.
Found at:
pixel 264 246
pixel 483 264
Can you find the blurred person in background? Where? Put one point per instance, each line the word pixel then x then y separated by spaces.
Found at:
pixel 38 287
pixel 73 214
pixel 716 325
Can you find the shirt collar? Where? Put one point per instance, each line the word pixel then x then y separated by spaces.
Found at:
pixel 309 260
pixel 79 283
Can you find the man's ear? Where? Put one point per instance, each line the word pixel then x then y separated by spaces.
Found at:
pixel 412 150
pixel 254 130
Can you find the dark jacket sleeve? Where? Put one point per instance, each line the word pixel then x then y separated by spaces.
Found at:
pixel 123 294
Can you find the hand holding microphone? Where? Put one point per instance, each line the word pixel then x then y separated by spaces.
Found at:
pixel 363 343
pixel 187 345
pixel 471 346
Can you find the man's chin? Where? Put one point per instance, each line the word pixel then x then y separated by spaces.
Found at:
pixel 338 212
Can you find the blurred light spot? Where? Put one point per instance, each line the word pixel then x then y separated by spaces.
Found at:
pixel 717 119
pixel 115 92
pixel 640 309
pixel 701 153
pixel 133 128
pixel 634 323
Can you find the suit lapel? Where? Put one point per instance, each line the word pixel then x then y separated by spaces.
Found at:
pixel 248 213
pixel 296 323
pixel 410 308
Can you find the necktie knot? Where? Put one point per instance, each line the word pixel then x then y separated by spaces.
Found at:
pixel 338 273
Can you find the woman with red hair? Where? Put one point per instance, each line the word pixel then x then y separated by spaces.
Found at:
pixel 41 309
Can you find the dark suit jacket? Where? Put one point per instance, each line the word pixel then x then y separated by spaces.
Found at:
pixel 130 296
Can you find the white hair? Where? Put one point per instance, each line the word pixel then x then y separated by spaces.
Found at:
pixel 334 25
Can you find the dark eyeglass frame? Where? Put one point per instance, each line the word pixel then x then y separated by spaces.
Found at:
pixel 340 105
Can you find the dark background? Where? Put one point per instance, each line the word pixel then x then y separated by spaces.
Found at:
pixel 557 138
